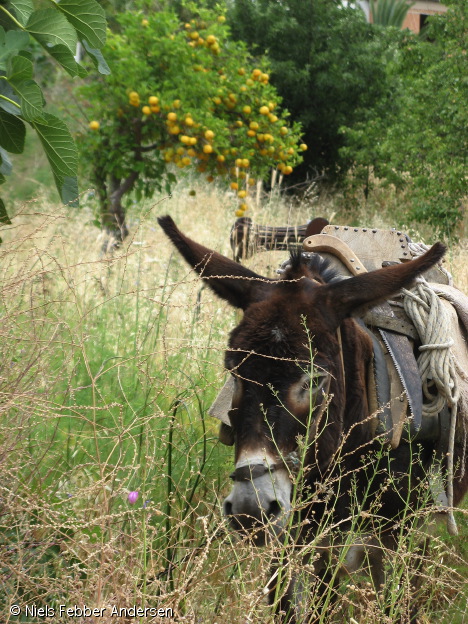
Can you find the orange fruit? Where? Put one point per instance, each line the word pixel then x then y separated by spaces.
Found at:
pixel 146 110
pixel 209 135
pixel 208 149
pixel 94 125
pixel 264 110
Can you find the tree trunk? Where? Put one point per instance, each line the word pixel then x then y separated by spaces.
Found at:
pixel 112 211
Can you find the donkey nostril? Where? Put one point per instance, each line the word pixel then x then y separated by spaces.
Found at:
pixel 227 508
pixel 274 509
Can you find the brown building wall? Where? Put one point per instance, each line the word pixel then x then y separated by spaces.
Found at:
pixel 412 22
pixel 413 19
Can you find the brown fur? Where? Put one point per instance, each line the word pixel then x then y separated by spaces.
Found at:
pixel 308 310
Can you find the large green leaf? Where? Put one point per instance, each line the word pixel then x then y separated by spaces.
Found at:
pixel 22 10
pixel 67 60
pixel 11 43
pixel 31 99
pixel 20 72
pixel 88 18
pixel 51 28
pixel 61 153
pixel 5 163
pixel 97 58
pixel 3 215
pixel 68 189
pixel 19 69
pixel 12 133
pixel 7 92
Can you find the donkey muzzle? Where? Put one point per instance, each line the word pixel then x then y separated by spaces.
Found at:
pixel 259 502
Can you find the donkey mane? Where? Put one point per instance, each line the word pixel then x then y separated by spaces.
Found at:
pixel 312 265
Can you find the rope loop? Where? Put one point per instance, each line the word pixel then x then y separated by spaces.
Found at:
pixel 437 367
pixel 436 363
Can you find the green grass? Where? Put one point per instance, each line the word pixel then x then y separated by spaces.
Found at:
pixel 107 368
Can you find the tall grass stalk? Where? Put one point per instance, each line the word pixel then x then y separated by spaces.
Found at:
pixel 108 364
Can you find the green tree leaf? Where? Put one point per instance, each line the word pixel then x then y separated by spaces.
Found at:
pixel 97 58
pixel 20 78
pixel 11 43
pixel 19 69
pixel 87 17
pixel 5 163
pixel 7 96
pixel 50 28
pixel 12 133
pixel 68 189
pixel 31 99
pixel 22 10
pixel 3 215
pixel 61 153
pixel 67 60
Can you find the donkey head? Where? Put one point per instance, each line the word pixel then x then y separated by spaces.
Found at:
pixel 288 366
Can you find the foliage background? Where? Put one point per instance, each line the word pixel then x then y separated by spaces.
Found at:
pixel 108 361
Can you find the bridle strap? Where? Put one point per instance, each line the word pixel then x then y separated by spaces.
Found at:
pixel 340 345
pixel 249 472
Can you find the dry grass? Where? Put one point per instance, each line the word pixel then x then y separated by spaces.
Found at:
pixel 107 367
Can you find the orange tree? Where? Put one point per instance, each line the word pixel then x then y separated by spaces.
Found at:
pixel 180 95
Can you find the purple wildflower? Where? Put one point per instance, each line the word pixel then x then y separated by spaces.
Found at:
pixel 132 497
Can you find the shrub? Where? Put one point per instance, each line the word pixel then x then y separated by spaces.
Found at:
pixel 181 94
pixel 57 28
pixel 420 142
pixel 327 63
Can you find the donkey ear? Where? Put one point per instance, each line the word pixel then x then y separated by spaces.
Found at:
pixel 231 281
pixel 355 294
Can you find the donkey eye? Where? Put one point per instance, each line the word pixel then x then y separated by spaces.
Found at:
pixel 236 391
pixel 313 380
pixel 308 386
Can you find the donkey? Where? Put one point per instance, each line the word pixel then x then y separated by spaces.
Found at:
pixel 299 359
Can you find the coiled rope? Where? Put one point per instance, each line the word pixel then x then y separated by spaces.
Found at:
pixel 437 365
